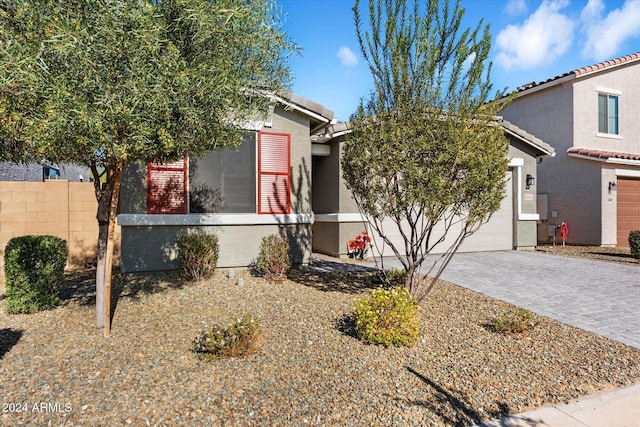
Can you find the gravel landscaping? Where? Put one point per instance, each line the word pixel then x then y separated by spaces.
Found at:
pixel 609 254
pixel 310 370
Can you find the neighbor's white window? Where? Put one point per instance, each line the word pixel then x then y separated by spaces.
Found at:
pixel 608 114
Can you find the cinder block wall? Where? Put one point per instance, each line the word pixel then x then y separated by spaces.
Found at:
pixel 59 208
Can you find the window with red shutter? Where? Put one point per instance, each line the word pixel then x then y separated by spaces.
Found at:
pixel 274 156
pixel 167 187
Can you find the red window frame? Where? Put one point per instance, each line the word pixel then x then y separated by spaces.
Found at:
pixel 267 143
pixel 154 205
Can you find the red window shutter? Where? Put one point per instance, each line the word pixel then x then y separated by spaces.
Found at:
pixel 167 188
pixel 274 187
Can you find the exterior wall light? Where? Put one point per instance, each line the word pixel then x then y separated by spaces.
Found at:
pixel 530 181
pixel 612 186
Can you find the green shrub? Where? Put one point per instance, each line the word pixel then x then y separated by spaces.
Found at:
pixel 198 254
pixel 34 269
pixel 387 317
pixel 238 339
pixel 513 321
pixel 396 277
pixel 273 261
pixel 634 243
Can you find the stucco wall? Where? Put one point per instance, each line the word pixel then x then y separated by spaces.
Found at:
pixel 152 247
pixel 331 201
pixel 574 185
pixel 622 81
pixel 239 245
pixel 524 229
pixel 326 182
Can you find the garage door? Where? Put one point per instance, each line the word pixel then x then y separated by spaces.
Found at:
pixel 495 235
pixel 628 208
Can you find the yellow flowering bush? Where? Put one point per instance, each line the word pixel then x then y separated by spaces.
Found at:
pixel 388 317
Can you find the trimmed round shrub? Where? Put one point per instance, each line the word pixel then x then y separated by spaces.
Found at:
pixel 273 261
pixel 634 243
pixel 34 270
pixel 198 255
pixel 388 317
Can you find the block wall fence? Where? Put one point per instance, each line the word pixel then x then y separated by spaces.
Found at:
pixel 59 208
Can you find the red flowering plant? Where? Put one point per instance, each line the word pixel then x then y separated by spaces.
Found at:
pixel 359 247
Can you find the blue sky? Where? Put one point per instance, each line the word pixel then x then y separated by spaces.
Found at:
pixel 532 40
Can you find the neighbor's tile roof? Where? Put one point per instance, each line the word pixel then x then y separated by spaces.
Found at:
pixel 584 70
pixel 603 155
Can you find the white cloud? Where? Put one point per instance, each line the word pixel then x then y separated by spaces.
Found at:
pixel 516 7
pixel 592 11
pixel 347 57
pixel 545 35
pixel 604 35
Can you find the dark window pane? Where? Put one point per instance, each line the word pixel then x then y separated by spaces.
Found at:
pixel 224 181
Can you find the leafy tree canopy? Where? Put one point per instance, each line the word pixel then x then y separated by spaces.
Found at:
pixel 98 80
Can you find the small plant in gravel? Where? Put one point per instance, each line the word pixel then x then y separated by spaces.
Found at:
pixel 512 321
pixel 238 339
pixel 396 277
pixel 34 268
pixel 198 254
pixel 388 317
pixel 273 261
pixel 634 243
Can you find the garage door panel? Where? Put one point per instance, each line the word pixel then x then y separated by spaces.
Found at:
pixel 628 209
pixel 497 234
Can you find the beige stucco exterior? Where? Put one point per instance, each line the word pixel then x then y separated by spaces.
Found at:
pixel 564 113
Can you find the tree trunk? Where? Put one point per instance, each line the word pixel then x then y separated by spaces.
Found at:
pixel 113 212
pixel 107 195
pixel 103 234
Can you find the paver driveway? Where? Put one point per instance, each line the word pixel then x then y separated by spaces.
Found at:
pixel 597 296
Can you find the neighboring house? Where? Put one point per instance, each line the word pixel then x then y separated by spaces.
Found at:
pixel 34 172
pixel 591 116
pixel 243 195
pixel 513 226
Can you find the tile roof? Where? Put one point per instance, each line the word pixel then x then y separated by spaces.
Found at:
pixel 603 155
pixel 527 138
pixel 584 70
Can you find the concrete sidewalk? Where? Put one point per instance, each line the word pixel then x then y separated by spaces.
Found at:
pixel 596 296
pixel 619 408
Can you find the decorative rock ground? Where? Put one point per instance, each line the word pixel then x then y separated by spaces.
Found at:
pixel 310 370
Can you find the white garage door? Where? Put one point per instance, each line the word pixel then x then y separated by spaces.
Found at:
pixel 495 235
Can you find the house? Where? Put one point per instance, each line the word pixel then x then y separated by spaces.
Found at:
pixel 243 195
pixel 590 116
pixel 286 178
pixel 513 226
pixel 34 172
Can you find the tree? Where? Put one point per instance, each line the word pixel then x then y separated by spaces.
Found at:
pixel 107 82
pixel 425 153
